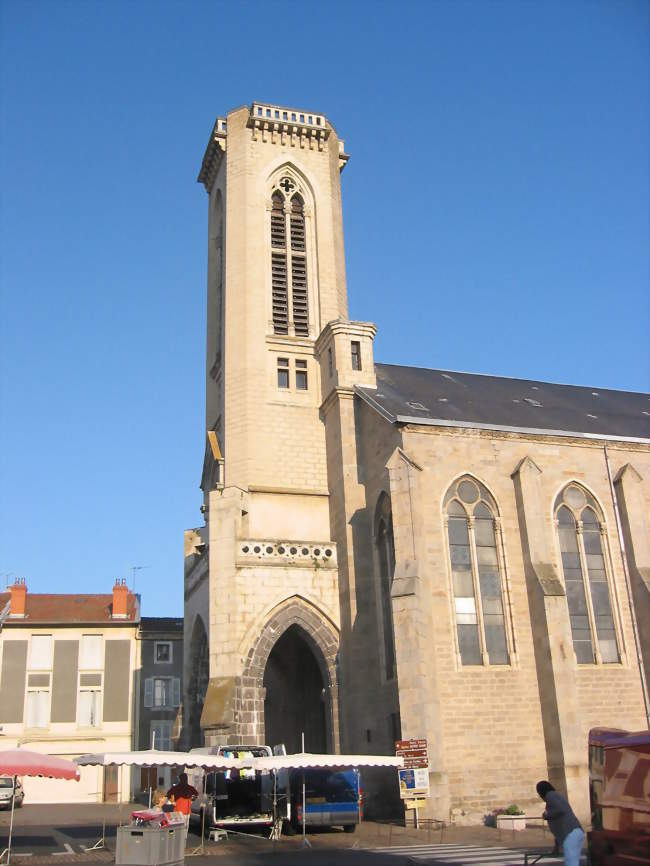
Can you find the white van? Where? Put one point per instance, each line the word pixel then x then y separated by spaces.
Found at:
pixel 240 798
pixel 6 789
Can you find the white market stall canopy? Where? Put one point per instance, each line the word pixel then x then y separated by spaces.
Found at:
pixel 309 761
pixel 299 761
pixel 155 758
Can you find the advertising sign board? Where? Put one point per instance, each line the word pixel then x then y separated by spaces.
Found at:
pixel 413 783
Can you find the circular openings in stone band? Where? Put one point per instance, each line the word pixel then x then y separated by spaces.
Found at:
pixel 257 549
pixel 574 496
pixel 293 550
pixel 281 549
pixel 328 552
pixel 468 491
pixel 317 551
pixel 305 551
pixel 269 549
pixel 245 548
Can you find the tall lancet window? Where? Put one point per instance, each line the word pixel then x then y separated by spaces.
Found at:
pixel 582 537
pixel 476 572
pixel 289 263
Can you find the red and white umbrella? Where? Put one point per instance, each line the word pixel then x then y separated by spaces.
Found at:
pixel 22 762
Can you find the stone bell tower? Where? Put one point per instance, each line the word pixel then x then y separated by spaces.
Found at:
pixel 261 578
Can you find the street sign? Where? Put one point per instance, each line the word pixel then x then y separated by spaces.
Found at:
pixel 414 753
pixel 409 744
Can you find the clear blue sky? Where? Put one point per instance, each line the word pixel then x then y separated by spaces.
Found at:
pixel 495 211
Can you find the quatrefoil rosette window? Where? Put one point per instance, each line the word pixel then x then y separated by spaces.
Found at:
pixel 289 288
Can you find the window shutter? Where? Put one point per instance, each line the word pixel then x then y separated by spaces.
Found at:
pixel 148 692
pixel 176 692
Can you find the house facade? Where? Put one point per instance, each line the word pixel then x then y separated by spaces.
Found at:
pixel 396 552
pixel 67 685
pixel 160 689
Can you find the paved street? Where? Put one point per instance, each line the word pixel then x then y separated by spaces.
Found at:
pixel 60 834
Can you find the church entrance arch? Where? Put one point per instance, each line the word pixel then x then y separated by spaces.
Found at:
pixel 294 668
pixel 295 695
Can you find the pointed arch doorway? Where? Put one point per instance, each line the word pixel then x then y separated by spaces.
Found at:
pixel 296 697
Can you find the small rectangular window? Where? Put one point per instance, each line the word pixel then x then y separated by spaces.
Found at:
pixel 38 708
pixel 90 655
pixel 162 652
pixel 356 355
pixel 283 372
pixel 40 652
pixel 330 363
pixel 301 375
pixel 161 692
pixel 161 733
pixel 89 704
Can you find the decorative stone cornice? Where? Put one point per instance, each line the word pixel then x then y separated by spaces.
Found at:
pixel 278 124
pixel 213 154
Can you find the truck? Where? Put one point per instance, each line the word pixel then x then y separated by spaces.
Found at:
pixel 333 797
pixel 619 791
pixel 240 799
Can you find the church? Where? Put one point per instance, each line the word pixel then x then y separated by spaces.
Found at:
pixel 392 552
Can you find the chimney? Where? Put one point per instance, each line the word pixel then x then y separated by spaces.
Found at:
pixel 120 599
pixel 18 598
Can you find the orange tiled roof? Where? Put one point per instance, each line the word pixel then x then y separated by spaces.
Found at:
pixel 62 609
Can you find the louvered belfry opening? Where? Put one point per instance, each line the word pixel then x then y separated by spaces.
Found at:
pixel 299 268
pixel 289 265
pixel 279 283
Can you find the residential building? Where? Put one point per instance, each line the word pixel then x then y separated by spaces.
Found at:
pixel 396 552
pixel 160 689
pixel 67 670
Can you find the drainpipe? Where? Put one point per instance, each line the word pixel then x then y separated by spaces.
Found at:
pixel 628 587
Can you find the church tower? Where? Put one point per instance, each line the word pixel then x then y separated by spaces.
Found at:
pixel 262 594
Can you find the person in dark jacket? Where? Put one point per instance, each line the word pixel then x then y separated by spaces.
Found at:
pixel 563 823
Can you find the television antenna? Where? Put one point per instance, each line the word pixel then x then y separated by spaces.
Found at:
pixel 135 568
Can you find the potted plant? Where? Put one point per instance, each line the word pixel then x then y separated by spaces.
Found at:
pixel 511 818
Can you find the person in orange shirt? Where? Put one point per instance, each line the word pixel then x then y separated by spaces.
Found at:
pixel 183 794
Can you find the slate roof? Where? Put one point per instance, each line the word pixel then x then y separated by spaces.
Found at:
pixel 69 609
pixel 161 623
pixel 417 395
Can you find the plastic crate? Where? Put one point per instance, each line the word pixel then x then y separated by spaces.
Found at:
pixel 150 846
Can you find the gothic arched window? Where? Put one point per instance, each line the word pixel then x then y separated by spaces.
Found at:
pixel 581 532
pixel 385 547
pixel 476 572
pixel 289 262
